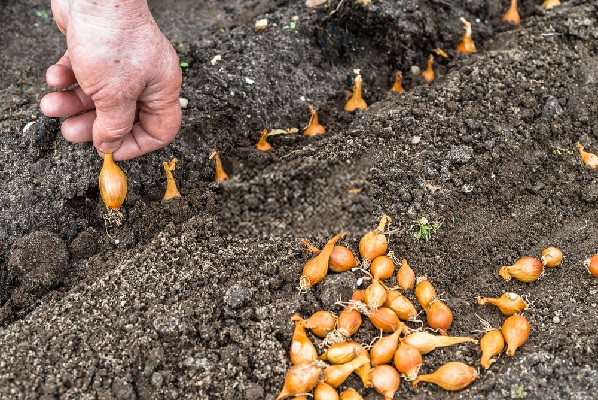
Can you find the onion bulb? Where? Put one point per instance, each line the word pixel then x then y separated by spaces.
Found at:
pixel 398 87
pixel 171 189
pixel 425 342
pixel 384 349
pixel 320 323
pixel 358 295
pixel 335 375
pixel 314 128
pixel 385 319
pixel 592 265
pixel 263 144
pixel 451 376
pixel 300 379
pixel 508 303
pixel 512 15
pixel 551 257
pixel 382 268
pixel 113 184
pixel 405 276
pixel 375 295
pixel 466 46
pixel 428 74
pixel 589 159
pixel 408 361
pixel 364 371
pixel 341 259
pixel 349 321
pixel 550 4
pixel 440 316
pixel 424 292
pixel 401 305
pixel 515 330
pixel 340 353
pixel 374 243
pixel 302 349
pixel 324 391
pixel 492 343
pixel 316 269
pixel 350 394
pixel 219 175
pixel 356 102
pixel 386 380
pixel 526 269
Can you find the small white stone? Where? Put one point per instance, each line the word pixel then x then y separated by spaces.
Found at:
pixel 261 24
pixel 415 70
pixel 302 98
pixel 416 139
pixel 556 319
pixel 249 81
pixel 184 102
pixel 215 59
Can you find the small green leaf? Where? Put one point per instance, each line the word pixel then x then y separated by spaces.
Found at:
pixel 184 64
pixel 42 14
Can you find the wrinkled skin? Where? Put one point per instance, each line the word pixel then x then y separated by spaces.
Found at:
pixel 128 76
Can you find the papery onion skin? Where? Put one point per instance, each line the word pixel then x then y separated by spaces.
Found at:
pixel 386 380
pixel 492 344
pixel 405 276
pixel 451 376
pixel 516 331
pixel 113 184
pixel 300 379
pixel 408 360
pixel 551 257
pixel 374 243
pixel 526 269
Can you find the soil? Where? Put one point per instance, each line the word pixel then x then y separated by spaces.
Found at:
pixel 192 298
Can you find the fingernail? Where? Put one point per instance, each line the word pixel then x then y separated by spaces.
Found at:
pixel 110 147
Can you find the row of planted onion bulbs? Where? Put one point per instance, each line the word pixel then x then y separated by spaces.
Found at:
pixel 386 307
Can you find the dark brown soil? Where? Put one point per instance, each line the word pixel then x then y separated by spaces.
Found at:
pixel 192 298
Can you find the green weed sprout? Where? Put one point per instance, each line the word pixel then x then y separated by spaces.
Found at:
pixel 425 228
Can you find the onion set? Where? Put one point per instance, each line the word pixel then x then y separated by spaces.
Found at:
pixel 466 46
pixel 592 265
pixel 219 174
pixel 356 102
pixel 314 128
pixel 320 323
pixel 440 316
pixel 341 259
pixel 302 349
pixel 551 257
pixel 113 184
pixel 515 330
pixel 508 303
pixel 171 189
pixel 398 87
pixel 492 344
pixel 335 375
pixel 589 159
pixel 405 276
pixel 408 361
pixel 550 4
pixel 300 379
pixel 350 394
pixel 512 15
pixel 324 391
pixel 401 305
pixel 382 268
pixel 341 353
pixel 424 292
pixel 263 144
pixel 374 243
pixel 384 349
pixel 316 269
pixel 526 269
pixel 428 74
pixel 425 342
pixel 451 376
pixel 386 380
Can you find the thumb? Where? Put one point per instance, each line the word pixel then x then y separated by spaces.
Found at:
pixel 114 119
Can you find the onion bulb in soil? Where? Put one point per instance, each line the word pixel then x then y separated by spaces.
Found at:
pixel 316 269
pixel 314 128
pixel 386 380
pixel 341 353
pixel 401 305
pixel 515 330
pixel 492 343
pixel 551 257
pixel 512 15
pixel 384 349
pixel 374 243
pixel 356 102
pixel 526 269
pixel 171 189
pixel 451 376
pixel 592 265
pixel 508 303
pixel 398 85
pixel 364 371
pixel 335 375
pixel 341 259
pixel 425 342
pixel 300 379
pixel 375 295
pixel 113 184
pixel 424 292
pixel 219 174
pixel 263 144
pixel 324 391
pixel 440 316
pixel 385 319
pixel 408 361
pixel 550 4
pixel 405 276
pixel 428 74
pixel 320 323
pixel 589 159
pixel 466 46
pixel 382 268
pixel 302 349
pixel 350 394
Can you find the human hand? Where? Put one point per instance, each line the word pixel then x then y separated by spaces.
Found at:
pixel 128 75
